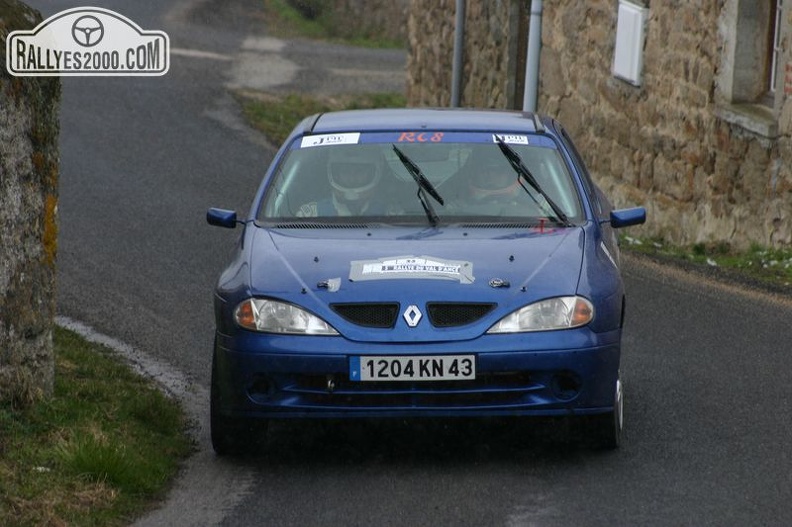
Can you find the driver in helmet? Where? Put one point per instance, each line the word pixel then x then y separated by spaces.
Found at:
pixel 353 176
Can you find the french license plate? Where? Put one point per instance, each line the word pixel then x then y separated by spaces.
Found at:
pixel 413 368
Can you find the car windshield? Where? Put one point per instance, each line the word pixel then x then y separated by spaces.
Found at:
pixel 430 177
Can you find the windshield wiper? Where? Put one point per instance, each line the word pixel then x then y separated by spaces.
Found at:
pixel 524 174
pixel 424 186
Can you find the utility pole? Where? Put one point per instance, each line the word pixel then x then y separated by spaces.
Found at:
pixel 459 44
pixel 532 60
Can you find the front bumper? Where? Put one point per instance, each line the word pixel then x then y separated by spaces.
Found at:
pixel 572 372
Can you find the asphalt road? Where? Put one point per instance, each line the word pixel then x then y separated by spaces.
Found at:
pixel 708 423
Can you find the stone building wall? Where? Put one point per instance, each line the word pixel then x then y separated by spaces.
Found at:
pixel 665 144
pixel 28 221
pixel 491 53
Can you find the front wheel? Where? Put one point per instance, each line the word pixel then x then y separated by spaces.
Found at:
pixel 232 435
pixel 606 429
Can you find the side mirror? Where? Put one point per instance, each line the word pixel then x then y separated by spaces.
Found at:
pixel 627 217
pixel 222 218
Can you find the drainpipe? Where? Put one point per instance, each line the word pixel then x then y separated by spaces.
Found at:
pixel 532 60
pixel 459 41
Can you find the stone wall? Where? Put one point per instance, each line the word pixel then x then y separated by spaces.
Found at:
pixel 28 221
pixel 492 56
pixel 664 145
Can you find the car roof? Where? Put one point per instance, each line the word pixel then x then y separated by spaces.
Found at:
pixel 425 119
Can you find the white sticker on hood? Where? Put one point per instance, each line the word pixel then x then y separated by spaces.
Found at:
pixel 405 267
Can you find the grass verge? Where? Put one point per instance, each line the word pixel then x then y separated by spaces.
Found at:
pixel 319 21
pixel 769 269
pixel 276 115
pixel 98 452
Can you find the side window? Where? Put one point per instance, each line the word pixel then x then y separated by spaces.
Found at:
pixel 581 168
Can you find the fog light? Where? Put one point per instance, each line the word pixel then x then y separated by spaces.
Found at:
pixel 260 386
pixel 565 385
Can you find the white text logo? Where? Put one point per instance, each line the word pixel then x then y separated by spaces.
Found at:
pixel 87 41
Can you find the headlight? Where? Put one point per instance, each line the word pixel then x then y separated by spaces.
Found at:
pixel 553 313
pixel 270 316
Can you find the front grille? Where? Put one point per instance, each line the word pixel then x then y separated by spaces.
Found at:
pixel 446 315
pixel 370 315
pixel 487 390
pixel 385 314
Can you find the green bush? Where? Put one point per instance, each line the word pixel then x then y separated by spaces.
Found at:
pixel 310 9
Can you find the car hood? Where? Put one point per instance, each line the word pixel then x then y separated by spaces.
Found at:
pixel 509 268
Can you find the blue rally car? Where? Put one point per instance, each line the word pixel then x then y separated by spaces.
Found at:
pixel 417 262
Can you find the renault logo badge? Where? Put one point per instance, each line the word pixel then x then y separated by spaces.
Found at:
pixel 412 315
